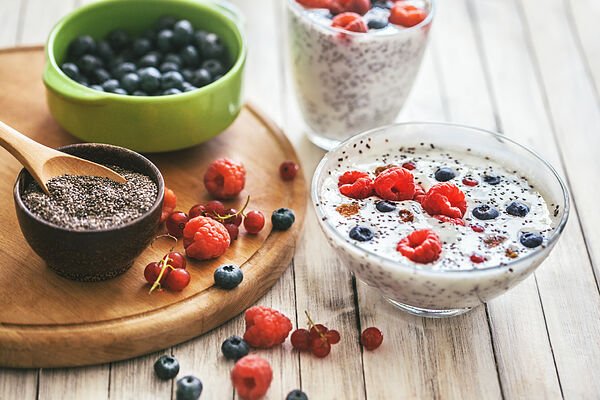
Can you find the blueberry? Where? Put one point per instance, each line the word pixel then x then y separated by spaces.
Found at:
pixel 140 93
pixel 385 206
pixel 444 174
pixel 89 63
pixel 201 77
pixel 122 69
pixel 228 276
pixel 234 348
pixel 492 179
pixel 173 58
pixel 214 67
pixel 150 34
pixel 517 209
pixel 149 79
pixel 166 367
pixel 104 51
pixel 188 87
pixel 83 80
pixel 100 75
pixel 361 233
pixel 209 44
pixel 377 23
pixel 170 80
pixel 531 239
pixel 130 82
pixel 165 22
pixel 97 87
pixel 282 219
pixel 120 91
pixel 171 91
pixel 71 70
pixel 164 40
pixel 189 388
pixel 149 60
pixel 82 45
pixel 188 74
pixel 168 66
pixel 118 39
pixel 110 85
pixel 296 395
pixel 141 46
pixel 183 32
pixel 485 212
pixel 190 57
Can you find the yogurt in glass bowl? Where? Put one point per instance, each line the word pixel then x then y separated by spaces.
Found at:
pixel 439 217
pixel 347 82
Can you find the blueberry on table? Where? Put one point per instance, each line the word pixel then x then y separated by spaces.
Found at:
pixel 104 51
pixel 531 239
pixel 173 58
pixel 165 22
pixel 210 45
pixel 485 212
pixel 168 66
pixel 201 77
pixel 171 91
pixel 234 348
pixel 183 33
pixel 130 82
pixel 361 233
pixel 149 60
pixel 228 276
pixel 518 209
pixel 444 174
pixel 118 39
pixel 71 70
pixel 164 40
pixel 149 79
pixel 141 46
pixel 82 45
pixel 189 388
pixel 171 80
pixel 377 23
pixel 214 67
pixel 282 219
pixel 100 75
pixel 296 395
pixel 189 56
pixel 120 70
pixel 385 206
pixel 166 367
pixel 110 85
pixel 88 63
pixel 492 179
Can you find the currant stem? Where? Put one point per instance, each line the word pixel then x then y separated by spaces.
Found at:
pixel 311 324
pixel 164 264
pixel 165 235
pixel 224 217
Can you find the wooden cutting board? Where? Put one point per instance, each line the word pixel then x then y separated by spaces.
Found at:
pixel 49 321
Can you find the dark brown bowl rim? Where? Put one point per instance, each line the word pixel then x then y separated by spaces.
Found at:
pixel 158 202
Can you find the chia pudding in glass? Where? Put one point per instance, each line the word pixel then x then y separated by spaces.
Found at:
pixel 353 70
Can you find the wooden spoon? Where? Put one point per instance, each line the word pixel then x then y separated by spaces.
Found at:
pixel 44 163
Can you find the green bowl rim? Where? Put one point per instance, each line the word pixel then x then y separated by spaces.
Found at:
pixel 213 7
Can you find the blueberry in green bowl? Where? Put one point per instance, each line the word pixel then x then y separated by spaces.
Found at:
pixel 148 75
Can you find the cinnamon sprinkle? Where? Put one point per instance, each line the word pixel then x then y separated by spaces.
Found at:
pixel 348 209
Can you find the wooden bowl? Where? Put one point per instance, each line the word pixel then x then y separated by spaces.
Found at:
pixel 92 255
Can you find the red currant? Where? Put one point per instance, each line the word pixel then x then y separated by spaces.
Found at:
pixel 176 260
pixel 233 230
pixel 254 222
pixel 333 336
pixel 152 271
pixel 477 258
pixel 477 228
pixel 318 331
pixel 301 339
pixel 235 218
pixel 177 280
pixel 320 347
pixel 176 223
pixel 409 165
pixel 468 181
pixel 288 170
pixel 214 207
pixel 197 210
pixel 371 338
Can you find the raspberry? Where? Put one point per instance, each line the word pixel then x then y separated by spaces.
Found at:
pixel 406 15
pixel 355 184
pixel 266 327
pixel 225 178
pixel 251 376
pixel 356 6
pixel 395 184
pixel 419 193
pixel 169 204
pixel 349 21
pixel 332 5
pixel 204 238
pixel 422 246
pixel 455 221
pixel 445 199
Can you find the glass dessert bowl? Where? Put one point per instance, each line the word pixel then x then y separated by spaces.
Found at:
pixel 505 209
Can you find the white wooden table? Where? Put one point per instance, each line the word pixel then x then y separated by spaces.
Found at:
pixel 528 68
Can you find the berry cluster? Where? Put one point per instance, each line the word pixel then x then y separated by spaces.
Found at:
pixel 317 339
pixel 168 273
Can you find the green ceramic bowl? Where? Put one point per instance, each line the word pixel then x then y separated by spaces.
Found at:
pixel 144 124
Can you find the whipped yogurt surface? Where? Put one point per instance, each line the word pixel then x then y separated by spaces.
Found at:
pixel 498 244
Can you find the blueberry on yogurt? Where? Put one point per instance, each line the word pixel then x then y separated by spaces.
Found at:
pixel 517 208
pixel 492 179
pixel 531 239
pixel 485 212
pixel 444 174
pixel 361 233
pixel 385 206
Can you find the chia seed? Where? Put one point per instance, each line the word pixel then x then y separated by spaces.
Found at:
pixel 90 202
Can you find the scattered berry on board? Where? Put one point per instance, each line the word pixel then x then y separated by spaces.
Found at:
pixel 169 204
pixel 254 222
pixel 288 170
pixel 251 377
pixel 266 327
pixel 228 276
pixel 189 388
pixel 168 273
pixel 204 238
pixel 234 348
pixel 177 280
pixel 225 178
pixel 176 223
pixel 296 394
pixel 371 338
pixel 166 367
pixel 282 219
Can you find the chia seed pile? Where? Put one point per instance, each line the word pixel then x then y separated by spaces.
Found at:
pixel 92 203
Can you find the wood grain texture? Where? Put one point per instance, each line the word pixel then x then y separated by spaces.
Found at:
pixel 10 17
pixel 39 16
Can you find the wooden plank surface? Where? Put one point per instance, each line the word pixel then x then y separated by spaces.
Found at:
pixel 498 64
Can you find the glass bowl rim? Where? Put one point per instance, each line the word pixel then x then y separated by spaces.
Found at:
pixel 340 239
